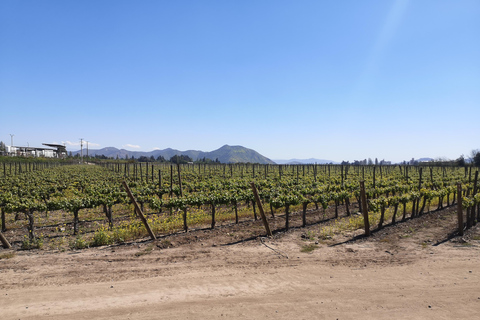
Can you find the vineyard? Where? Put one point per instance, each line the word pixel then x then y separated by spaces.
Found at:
pixel 77 206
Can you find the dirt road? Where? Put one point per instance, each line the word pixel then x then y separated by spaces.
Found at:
pixel 391 275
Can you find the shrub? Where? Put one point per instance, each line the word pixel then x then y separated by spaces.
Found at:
pixel 28 244
pixel 101 238
pixel 78 243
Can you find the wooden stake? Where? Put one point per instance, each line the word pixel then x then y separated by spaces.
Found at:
pixel 473 215
pixel 4 224
pixel 185 226
pixel 139 211
pixel 459 209
pixel 364 208
pixel 260 207
pixel 5 242
pixel 420 179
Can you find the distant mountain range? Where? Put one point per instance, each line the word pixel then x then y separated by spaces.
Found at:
pixel 226 154
pixel 424 159
pixel 305 161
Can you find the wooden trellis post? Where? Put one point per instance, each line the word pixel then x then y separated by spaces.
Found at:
pixel 139 211
pixel 364 208
pixel 459 209
pixel 5 242
pixel 260 208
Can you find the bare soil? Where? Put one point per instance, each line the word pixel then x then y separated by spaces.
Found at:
pixel 418 269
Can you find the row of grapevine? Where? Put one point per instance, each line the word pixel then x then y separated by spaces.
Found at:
pixel 174 188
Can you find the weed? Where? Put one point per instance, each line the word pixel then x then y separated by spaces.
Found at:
pixel 164 244
pixel 308 248
pixel 325 233
pixel 147 250
pixel 78 243
pixel 7 255
pixel 101 237
pixel 309 235
pixel 28 244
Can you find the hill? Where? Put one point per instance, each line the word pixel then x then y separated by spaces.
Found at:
pixel 236 154
pixel 305 161
pixel 225 154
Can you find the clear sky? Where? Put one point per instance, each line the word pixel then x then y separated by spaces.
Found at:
pixel 337 80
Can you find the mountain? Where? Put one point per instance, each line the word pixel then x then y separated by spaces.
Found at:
pixel 305 161
pixel 236 154
pixel 225 154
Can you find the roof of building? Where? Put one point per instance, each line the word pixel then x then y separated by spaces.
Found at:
pixel 60 147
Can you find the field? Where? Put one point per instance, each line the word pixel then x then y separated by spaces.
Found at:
pixel 321 266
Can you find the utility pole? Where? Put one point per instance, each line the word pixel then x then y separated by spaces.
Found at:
pixel 11 143
pixel 87 150
pixel 81 149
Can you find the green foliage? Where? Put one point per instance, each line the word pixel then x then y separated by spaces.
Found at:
pixel 28 244
pixel 101 238
pixel 78 243
pixel 308 248
pixel 180 159
pixel 7 255
pixel 476 158
pixel 85 190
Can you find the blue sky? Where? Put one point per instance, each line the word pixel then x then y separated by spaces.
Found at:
pixel 338 80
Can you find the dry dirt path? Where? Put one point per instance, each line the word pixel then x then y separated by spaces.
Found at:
pixel 408 271
pixel 349 281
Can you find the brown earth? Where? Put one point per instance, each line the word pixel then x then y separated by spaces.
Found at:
pixel 416 269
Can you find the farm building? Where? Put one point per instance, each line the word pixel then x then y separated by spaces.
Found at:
pixel 60 151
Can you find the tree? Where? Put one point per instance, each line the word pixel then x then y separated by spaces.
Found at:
pixel 180 159
pixel 460 161
pixel 2 146
pixel 476 157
